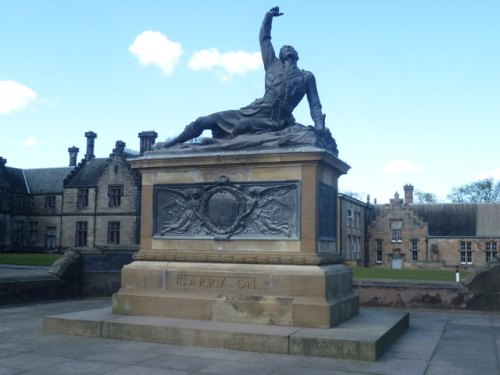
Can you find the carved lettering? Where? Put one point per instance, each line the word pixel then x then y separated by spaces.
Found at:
pixel 215 282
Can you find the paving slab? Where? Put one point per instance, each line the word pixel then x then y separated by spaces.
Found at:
pixel 424 349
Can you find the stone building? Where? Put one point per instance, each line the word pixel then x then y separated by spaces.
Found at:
pixel 353 216
pixel 92 205
pixel 403 234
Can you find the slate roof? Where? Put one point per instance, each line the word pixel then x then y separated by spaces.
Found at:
pixel 13 178
pixel 46 180
pixel 449 219
pixel 87 173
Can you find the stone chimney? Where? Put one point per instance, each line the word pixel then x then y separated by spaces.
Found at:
pixel 91 136
pixel 147 141
pixel 408 188
pixel 73 155
pixel 2 162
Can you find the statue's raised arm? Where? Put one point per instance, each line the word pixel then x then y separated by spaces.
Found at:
pixel 266 47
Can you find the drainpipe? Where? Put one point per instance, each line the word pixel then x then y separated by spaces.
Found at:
pixel 60 223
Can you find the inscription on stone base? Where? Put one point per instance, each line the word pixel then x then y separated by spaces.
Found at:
pixel 215 282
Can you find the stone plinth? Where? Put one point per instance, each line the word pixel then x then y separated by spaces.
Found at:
pixel 287 295
pixel 247 237
pixel 364 337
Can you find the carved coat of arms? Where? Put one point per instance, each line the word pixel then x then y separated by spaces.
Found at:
pixel 224 209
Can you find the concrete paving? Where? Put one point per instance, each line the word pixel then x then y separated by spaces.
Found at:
pixel 437 342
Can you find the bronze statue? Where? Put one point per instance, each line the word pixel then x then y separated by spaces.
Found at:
pixel 285 86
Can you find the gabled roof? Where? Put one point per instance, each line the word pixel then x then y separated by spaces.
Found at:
pixel 13 178
pixel 46 180
pixel 87 173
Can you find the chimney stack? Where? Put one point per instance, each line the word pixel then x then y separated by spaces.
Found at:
pixel 147 141
pixel 91 136
pixel 2 162
pixel 408 188
pixel 73 155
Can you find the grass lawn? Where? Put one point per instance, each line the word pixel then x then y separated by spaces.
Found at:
pixel 405 274
pixel 28 259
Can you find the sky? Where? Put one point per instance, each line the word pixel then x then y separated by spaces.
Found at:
pixel 410 89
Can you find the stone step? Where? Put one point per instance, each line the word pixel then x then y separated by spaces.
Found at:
pixel 364 337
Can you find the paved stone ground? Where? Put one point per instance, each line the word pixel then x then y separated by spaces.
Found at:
pixel 437 342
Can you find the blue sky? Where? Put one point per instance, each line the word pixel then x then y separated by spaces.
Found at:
pixel 411 89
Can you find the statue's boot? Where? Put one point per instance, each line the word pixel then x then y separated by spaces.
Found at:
pixel 191 131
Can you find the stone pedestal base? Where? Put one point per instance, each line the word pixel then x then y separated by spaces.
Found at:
pixel 364 337
pixel 285 295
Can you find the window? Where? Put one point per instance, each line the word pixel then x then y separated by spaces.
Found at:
pixel 355 248
pixel 50 237
pixel 466 252
pixel 414 250
pixel 350 217
pixel 81 234
pixel 379 251
pixel 50 201
pixel 82 198
pixel 114 232
pixel 349 248
pixel 491 250
pixel 115 193
pixel 33 235
pixel 19 202
pixel 18 233
pixel 397 230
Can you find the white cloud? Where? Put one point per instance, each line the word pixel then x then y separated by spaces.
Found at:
pixel 15 96
pixel 495 174
pixel 400 166
pixel 154 48
pixel 225 64
pixel 31 141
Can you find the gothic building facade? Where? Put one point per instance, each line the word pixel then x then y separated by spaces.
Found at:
pixel 94 204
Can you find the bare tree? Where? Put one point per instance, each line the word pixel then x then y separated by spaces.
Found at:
pixel 481 191
pixel 425 197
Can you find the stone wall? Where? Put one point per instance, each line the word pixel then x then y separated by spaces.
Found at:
pixel 425 295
